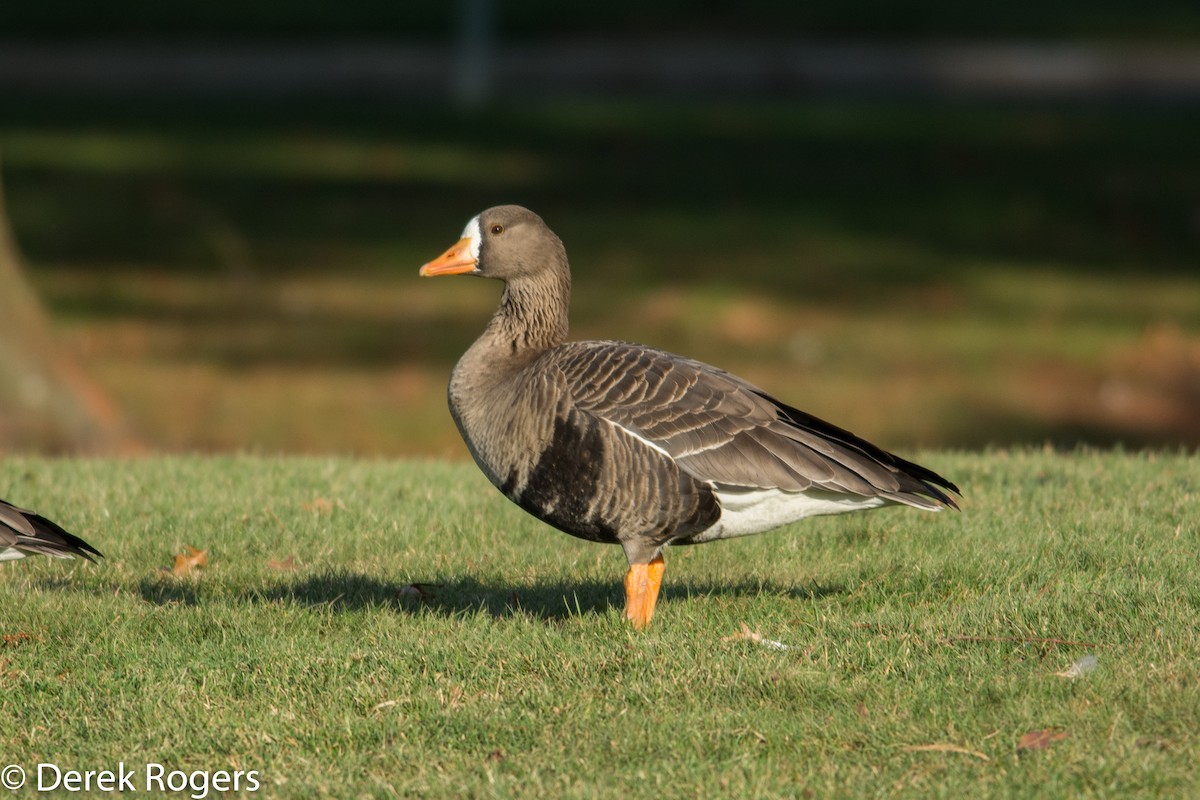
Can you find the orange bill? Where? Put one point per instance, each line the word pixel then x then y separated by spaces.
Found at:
pixel 455 261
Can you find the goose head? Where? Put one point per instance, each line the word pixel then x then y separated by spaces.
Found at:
pixel 504 242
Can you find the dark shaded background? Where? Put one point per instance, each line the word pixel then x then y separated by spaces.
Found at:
pixel 534 20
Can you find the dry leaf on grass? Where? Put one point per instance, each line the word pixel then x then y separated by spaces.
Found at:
pixel 186 562
pixel 945 748
pixel 15 639
pixel 1078 669
pixel 1155 742
pixel 1040 740
pixel 286 565
pixel 451 699
pixel 754 636
pixel 323 505
pixel 417 591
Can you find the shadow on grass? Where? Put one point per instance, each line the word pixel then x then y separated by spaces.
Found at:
pixel 164 590
pixel 550 600
pixel 160 588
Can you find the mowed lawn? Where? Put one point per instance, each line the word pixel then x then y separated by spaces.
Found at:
pixel 396 629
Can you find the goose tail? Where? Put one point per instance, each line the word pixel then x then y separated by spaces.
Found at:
pixel 24 533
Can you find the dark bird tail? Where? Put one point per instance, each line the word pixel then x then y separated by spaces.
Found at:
pixel 24 533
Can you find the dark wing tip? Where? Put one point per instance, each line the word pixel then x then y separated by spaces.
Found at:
pixel 50 533
pixel 927 482
pixel 933 488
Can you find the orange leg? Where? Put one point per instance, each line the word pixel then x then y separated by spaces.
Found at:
pixel 642 583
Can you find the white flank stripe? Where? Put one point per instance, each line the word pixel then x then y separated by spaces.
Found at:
pixel 10 554
pixel 755 511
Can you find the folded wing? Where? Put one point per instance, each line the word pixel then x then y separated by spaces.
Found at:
pixel 724 430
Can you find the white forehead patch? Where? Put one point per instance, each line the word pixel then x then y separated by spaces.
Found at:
pixel 472 232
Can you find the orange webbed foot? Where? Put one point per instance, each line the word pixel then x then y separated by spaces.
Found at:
pixel 642 583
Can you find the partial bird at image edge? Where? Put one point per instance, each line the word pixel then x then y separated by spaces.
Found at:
pixel 25 533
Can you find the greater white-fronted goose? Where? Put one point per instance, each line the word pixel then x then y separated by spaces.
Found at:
pixel 621 443
pixel 24 533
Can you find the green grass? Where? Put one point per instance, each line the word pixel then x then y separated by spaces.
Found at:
pixel 517 676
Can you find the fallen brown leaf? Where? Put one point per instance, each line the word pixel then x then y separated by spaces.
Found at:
pixel 417 591
pixel 14 639
pixel 323 505
pixel 453 698
pixel 286 565
pixel 1156 743
pixel 945 748
pixel 753 636
pixel 186 562
pixel 1040 740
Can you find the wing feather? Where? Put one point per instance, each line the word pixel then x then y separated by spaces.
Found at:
pixel 27 532
pixel 722 429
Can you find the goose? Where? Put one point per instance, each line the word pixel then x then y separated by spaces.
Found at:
pixel 621 443
pixel 24 533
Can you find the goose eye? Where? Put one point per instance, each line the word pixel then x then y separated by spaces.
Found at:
pixel 497 229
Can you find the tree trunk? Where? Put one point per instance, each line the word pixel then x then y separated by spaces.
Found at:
pixel 47 401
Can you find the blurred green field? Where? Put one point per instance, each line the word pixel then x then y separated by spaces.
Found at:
pixel 244 277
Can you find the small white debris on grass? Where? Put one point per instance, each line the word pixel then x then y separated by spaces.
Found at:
pixel 1081 667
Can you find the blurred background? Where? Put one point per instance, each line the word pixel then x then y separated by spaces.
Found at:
pixel 935 223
